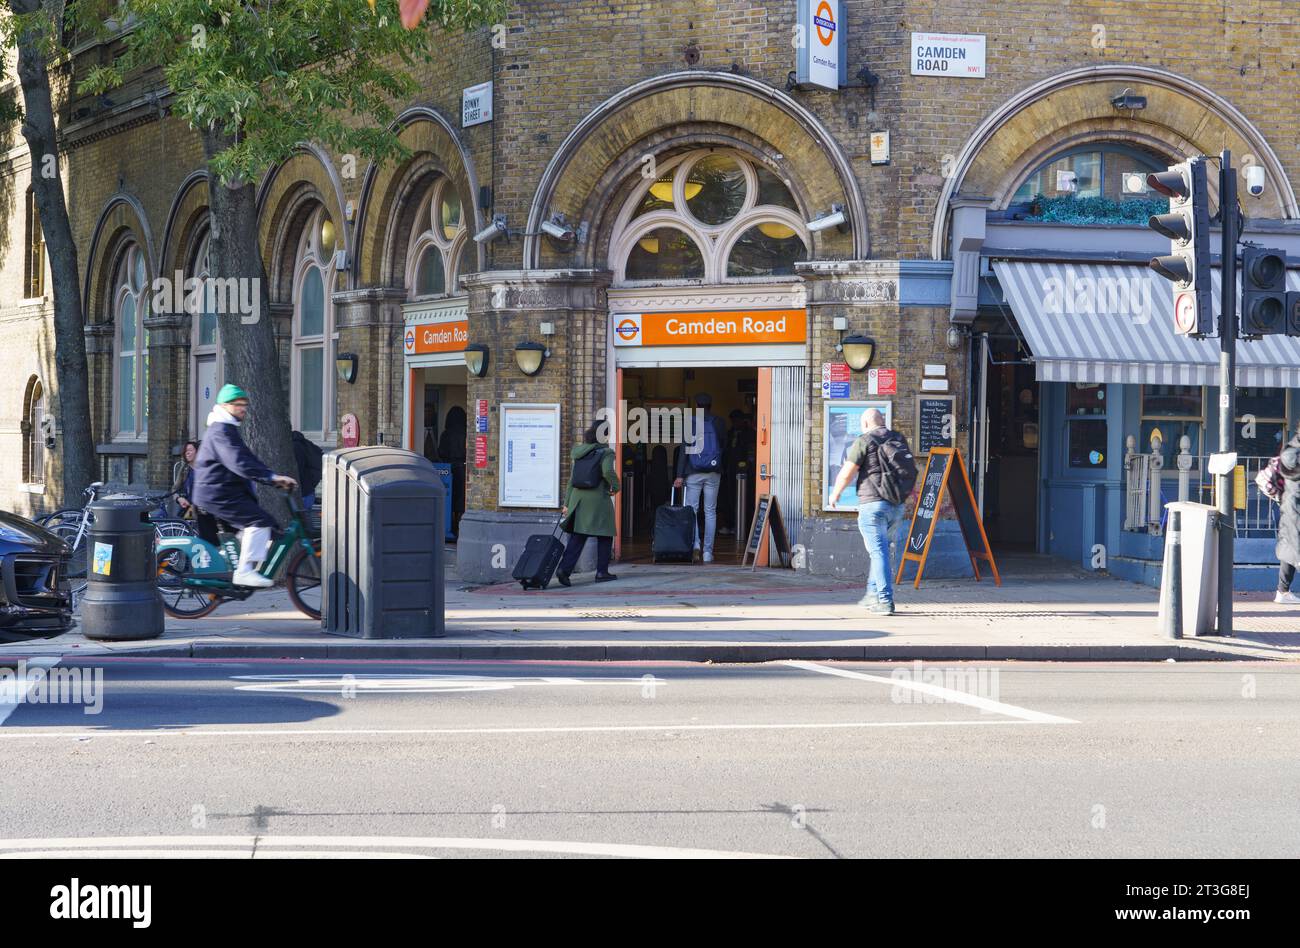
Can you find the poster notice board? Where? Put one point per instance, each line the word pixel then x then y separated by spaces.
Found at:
pixel 529 462
pixel 936 423
pixel 941 479
pixel 767 521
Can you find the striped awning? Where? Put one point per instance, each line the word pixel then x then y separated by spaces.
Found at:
pixel 1115 323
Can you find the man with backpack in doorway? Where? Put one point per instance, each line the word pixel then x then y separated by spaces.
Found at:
pixel 881 464
pixel 699 469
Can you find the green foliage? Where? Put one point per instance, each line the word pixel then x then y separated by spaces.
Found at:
pixel 1073 210
pixel 272 74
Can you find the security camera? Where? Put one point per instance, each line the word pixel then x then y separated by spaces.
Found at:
pixel 558 231
pixel 835 218
pixel 494 230
pixel 1256 179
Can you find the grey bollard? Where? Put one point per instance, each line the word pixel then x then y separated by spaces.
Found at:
pixel 121 601
pixel 1173 616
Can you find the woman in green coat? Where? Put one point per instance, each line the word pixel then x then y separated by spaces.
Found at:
pixel 589 512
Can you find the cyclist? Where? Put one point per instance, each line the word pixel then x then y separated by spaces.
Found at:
pixel 223 470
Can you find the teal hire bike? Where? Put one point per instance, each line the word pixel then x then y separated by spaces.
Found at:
pixel 194 577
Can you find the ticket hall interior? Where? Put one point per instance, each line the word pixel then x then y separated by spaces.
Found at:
pixel 650 452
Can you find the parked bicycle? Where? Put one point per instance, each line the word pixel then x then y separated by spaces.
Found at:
pixel 194 576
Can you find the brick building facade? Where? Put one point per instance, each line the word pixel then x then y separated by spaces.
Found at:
pixel 586 94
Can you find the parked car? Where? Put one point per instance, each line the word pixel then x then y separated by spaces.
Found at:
pixel 35 600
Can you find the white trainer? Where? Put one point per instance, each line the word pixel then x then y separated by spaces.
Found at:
pixel 249 577
pixel 1287 599
pixel 708 557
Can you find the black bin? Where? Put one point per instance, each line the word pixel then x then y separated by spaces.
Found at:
pixel 121 601
pixel 382 538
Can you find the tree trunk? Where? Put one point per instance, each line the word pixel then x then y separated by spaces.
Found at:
pixel 251 359
pixel 71 373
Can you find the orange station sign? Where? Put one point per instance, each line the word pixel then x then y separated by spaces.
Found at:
pixel 450 336
pixel 733 327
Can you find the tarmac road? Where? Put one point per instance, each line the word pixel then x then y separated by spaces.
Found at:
pixel 653 759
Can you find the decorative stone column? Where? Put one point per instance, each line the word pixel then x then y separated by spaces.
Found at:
pixel 167 398
pixel 369 324
pixel 99 363
pixel 507 308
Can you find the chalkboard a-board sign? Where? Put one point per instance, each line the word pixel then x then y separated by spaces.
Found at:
pixel 767 519
pixel 934 415
pixel 941 478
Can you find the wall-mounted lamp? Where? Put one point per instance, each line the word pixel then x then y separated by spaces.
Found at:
pixel 494 230
pixel 345 363
pixel 836 218
pixel 530 356
pixel 858 352
pixel 476 359
pixel 956 335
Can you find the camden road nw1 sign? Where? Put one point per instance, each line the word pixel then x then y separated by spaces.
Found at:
pixel 953 55
pixel 820 59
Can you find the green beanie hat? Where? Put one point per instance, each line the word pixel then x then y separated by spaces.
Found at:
pixel 230 393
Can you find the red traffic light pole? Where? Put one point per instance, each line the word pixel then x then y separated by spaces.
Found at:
pixel 1228 323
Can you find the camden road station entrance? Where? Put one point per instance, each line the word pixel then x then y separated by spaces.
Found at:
pixel 753 364
pixel 436 400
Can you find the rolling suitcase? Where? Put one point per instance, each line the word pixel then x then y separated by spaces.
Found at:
pixel 541 555
pixel 674 534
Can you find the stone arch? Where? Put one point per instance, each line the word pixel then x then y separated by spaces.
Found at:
pixel 285 200
pixel 1182 118
pixel 187 217
pixel 123 218
pixel 390 195
pixel 692 109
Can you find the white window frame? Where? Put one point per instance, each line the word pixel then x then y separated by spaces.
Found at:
pixel 33 224
pixel 140 296
pixel 35 446
pixel 201 269
pixel 310 254
pixel 428 233
pixel 715 241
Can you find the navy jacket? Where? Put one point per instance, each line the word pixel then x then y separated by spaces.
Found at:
pixel 222 470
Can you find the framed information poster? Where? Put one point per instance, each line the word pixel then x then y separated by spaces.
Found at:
pixel 841 426
pixel 530 456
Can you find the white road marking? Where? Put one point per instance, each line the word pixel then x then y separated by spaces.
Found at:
pixel 245 846
pixel 938 691
pixel 84 734
pixel 10 700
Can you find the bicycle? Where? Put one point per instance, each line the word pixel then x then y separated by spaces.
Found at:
pixel 194 577
pixel 72 525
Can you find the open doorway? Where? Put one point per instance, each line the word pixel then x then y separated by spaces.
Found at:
pixel 1014 435
pixel 650 456
pixel 439 403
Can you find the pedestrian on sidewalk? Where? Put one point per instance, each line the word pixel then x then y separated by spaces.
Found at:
pixel 589 507
pixel 1288 528
pixel 699 470
pixel 881 464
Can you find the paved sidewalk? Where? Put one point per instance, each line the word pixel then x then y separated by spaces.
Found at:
pixel 1043 611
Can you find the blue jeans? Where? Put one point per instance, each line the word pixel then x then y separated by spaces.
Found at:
pixel 878 522
pixel 704 487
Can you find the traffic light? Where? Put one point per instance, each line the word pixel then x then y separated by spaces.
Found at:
pixel 1263 291
pixel 1187 225
pixel 1293 314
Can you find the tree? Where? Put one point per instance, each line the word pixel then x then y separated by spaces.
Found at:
pixel 257 79
pixel 33 29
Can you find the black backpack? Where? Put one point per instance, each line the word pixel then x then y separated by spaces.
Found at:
pixel 897 474
pixel 587 471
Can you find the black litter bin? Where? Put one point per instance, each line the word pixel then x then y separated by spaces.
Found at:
pixel 121 601
pixel 382 539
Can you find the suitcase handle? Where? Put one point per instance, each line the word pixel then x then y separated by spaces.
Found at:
pixel 672 496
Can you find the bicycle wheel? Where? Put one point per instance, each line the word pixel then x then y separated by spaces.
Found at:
pixel 64 515
pixel 178 600
pixel 302 579
pixel 173 528
pixel 78 562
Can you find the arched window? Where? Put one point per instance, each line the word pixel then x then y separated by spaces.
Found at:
pixel 34 257
pixel 33 436
pixel 130 301
pixel 440 250
pixel 1116 172
pixel 206 370
pixel 709 216
pixel 314 338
